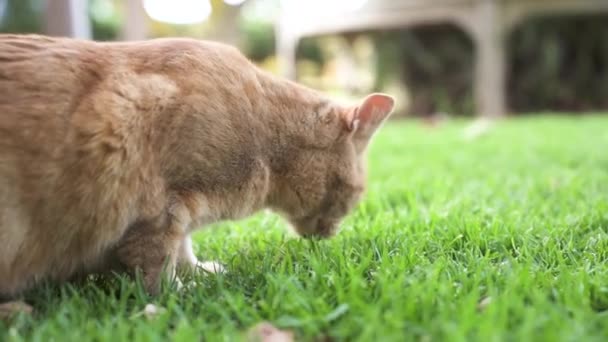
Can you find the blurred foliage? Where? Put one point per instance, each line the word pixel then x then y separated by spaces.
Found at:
pixel 259 39
pixel 26 16
pixel 21 16
pixel 559 63
pixel 310 49
pixel 435 62
pixel 259 43
pixel 106 17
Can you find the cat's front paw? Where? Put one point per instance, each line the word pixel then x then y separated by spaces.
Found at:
pixel 213 267
pixel 200 267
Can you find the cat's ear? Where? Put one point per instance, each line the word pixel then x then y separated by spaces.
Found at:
pixel 365 119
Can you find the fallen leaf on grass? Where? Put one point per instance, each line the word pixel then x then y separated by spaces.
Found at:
pixel 478 128
pixel 483 303
pixel 339 311
pixel 324 339
pixel 266 332
pixel 10 309
pixel 150 311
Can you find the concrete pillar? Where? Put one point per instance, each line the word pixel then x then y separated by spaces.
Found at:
pixel 286 53
pixel 490 65
pixel 225 28
pixel 67 18
pixel 135 24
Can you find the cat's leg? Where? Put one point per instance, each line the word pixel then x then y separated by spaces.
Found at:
pixel 188 261
pixel 153 249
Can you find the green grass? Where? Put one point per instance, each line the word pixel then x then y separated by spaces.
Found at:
pixel 519 215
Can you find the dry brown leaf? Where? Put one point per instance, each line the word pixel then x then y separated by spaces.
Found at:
pixel 483 303
pixel 266 332
pixel 10 309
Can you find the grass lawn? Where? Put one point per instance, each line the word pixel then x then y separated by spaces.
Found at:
pixel 500 238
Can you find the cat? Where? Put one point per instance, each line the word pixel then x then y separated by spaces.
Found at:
pixel 112 153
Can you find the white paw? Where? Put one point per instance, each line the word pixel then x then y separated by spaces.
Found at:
pixel 211 267
pixel 178 283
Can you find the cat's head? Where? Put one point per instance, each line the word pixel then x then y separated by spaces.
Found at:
pixel 324 179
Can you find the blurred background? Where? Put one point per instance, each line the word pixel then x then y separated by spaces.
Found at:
pixel 438 57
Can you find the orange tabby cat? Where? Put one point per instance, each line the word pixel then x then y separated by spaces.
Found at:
pixel 115 152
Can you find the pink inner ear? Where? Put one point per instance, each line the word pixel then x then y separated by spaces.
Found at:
pixel 375 108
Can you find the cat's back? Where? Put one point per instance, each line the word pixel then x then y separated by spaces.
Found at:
pixel 41 80
pixel 33 67
pixel 56 73
pixel 54 91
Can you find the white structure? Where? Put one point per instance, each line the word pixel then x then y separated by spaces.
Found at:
pixel 486 21
pixel 67 18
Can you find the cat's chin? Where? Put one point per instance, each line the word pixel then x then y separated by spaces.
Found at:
pixel 318 236
pixel 318 232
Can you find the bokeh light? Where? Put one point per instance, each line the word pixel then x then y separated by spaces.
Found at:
pixel 178 11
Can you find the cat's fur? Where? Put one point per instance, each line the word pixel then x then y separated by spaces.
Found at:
pixel 115 152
